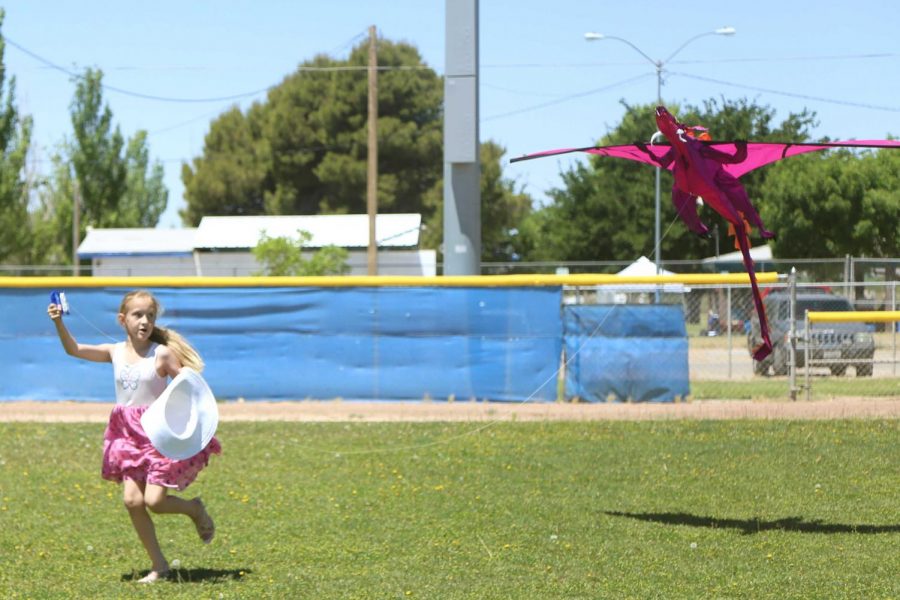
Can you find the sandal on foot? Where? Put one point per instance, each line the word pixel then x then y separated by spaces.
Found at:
pixel 206 529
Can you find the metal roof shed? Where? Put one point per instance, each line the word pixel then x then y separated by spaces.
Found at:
pixel 139 251
pixel 222 246
pixel 345 231
pixel 137 242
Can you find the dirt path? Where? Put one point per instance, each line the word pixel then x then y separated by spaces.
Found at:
pixel 843 408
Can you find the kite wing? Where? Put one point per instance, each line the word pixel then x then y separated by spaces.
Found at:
pixel 636 152
pixel 759 154
pixel 734 158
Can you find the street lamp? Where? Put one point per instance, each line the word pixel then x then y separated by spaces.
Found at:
pixel 659 65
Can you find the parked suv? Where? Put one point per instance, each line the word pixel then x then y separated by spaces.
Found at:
pixel 832 345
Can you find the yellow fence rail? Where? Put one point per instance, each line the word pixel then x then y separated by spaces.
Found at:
pixel 381 281
pixel 858 316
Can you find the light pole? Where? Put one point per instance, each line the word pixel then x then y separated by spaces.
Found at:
pixel 659 65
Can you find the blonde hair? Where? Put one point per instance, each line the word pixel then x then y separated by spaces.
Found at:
pixel 174 341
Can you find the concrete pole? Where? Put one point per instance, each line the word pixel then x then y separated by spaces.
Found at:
pixel 462 171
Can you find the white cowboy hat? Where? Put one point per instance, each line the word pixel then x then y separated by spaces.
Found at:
pixel 182 421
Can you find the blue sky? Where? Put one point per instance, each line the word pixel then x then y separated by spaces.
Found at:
pixel 542 85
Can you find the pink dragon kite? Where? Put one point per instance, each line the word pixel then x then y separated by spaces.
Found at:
pixel 707 169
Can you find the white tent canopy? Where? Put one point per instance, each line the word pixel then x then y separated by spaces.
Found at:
pixel 757 254
pixel 642 267
pixel 637 292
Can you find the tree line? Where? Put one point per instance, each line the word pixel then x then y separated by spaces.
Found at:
pixel 303 150
pixel 114 179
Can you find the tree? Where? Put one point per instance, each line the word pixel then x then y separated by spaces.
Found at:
pixel 51 220
pixel 231 176
pixel 605 210
pixel 145 195
pixel 283 256
pixel 304 150
pixel 834 204
pixel 15 141
pixel 116 183
pixel 503 209
pixel 96 156
pixel 878 230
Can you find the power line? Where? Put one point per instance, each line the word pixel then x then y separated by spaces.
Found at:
pixel 350 42
pixel 567 98
pixel 233 97
pixel 709 61
pixel 788 58
pixel 788 94
pixel 517 92
pixel 72 74
pixel 582 65
pixel 205 115
pixel 629 63
pixel 363 68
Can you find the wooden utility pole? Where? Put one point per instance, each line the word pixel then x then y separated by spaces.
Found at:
pixel 372 174
pixel 76 225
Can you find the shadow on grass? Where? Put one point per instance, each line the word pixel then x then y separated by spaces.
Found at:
pixel 751 526
pixel 195 575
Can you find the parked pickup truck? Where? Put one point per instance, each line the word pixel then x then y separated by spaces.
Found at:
pixel 832 345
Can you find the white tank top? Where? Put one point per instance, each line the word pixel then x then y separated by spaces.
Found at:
pixel 136 384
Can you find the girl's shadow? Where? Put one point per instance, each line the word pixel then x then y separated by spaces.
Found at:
pixel 195 575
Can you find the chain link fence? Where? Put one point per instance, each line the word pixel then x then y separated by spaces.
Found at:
pixel 847 269
pixel 854 358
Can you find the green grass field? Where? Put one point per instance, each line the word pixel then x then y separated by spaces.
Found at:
pixel 824 388
pixel 507 510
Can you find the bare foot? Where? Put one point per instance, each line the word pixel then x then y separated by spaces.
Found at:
pixel 206 529
pixel 154 576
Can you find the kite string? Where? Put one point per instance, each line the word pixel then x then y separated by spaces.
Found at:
pixel 446 440
pixel 551 378
pixel 554 376
pixel 88 321
pixel 490 423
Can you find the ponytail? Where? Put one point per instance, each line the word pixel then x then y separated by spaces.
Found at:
pixel 180 347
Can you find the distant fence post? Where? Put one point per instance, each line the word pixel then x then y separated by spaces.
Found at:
pixel 792 339
pixel 728 329
pixel 894 328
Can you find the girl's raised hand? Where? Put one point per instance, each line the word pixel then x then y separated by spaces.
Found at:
pixel 54 311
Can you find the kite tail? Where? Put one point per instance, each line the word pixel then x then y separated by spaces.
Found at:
pixel 764 349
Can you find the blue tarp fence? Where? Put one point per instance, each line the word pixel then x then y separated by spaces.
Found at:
pixel 363 343
pixel 621 352
pixel 391 343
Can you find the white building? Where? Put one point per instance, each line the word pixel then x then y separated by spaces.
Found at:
pixel 221 246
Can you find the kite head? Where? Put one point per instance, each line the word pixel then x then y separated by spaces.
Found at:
pixel 667 124
pixel 675 131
